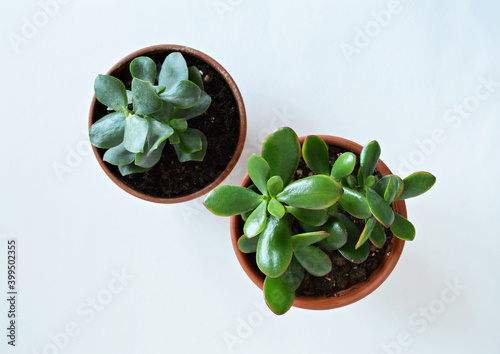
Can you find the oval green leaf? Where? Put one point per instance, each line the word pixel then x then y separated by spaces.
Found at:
pixel 377 237
pixel 173 70
pixel 379 207
pixel 355 204
pixel 232 200
pixel 276 208
pixel 349 250
pixel 314 192
pixel 256 222
pixel 248 245
pixel 308 238
pixel 315 153
pixel 274 250
pixel 343 166
pixel 402 228
pixel 369 157
pixel 108 131
pixel 417 184
pixel 309 216
pixel 314 260
pixel 136 132
pixel 274 186
pixel 281 150
pixel 280 292
pixel 144 98
pixel 259 171
pixel 111 92
pixel 143 68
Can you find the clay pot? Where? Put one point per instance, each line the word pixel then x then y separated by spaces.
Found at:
pixel 354 293
pixel 121 70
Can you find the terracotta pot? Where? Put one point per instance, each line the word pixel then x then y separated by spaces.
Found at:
pixel 121 69
pixel 354 293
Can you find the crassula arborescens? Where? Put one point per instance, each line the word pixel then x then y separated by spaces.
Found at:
pixel 324 205
pixel 156 109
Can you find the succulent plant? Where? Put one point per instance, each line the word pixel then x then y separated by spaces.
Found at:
pixel 319 204
pixel 156 109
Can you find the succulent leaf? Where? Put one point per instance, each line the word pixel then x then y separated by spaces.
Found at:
pixel 280 292
pixel 281 150
pixel 136 133
pixel 197 110
pixel 126 170
pixel 256 222
pixel 194 75
pixel 118 155
pixel 248 245
pixel 173 70
pixel 297 272
pixel 183 94
pixel 276 208
pixel 343 166
pixel 402 228
pixel 179 124
pixel 308 238
pixel 337 234
pixel 379 207
pixel 370 181
pixel 259 172
pixel 377 237
pixel 108 131
pixel 355 203
pixel 190 141
pixel 144 98
pixel 367 231
pixel 369 157
pixel 274 186
pixel 314 260
pixel 111 92
pixel 157 133
pixel 314 192
pixel 349 250
pixel 309 216
pixel 392 190
pixel 143 68
pixel 150 158
pixel 195 156
pixel 315 153
pixel 274 250
pixel 165 114
pixel 417 184
pixel 232 200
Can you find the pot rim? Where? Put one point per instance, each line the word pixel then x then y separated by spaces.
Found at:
pixel 354 293
pixel 242 114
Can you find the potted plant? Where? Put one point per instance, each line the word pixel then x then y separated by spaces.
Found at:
pixel 321 225
pixel 167 123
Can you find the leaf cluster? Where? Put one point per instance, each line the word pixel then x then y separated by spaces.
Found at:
pixel 154 111
pixel 320 203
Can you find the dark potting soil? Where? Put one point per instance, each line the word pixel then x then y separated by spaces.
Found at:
pixel 344 273
pixel 220 123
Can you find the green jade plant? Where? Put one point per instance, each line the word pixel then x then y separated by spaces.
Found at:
pixel 156 108
pixel 320 204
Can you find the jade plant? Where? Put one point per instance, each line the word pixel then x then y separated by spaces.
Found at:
pixel 155 109
pixel 323 208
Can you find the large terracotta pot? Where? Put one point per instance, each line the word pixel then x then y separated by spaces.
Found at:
pixel 354 293
pixel 120 70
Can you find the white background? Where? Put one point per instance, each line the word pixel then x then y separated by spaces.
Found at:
pixel 321 67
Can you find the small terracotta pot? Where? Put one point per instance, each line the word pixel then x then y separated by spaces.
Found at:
pixel 167 49
pixel 354 293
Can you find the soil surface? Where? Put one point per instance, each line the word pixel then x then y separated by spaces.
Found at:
pixel 344 274
pixel 220 123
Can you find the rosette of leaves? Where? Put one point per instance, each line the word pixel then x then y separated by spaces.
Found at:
pixel 269 208
pixel 365 197
pixel 154 111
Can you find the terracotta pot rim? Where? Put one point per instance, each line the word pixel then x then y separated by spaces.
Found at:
pixel 354 293
pixel 242 114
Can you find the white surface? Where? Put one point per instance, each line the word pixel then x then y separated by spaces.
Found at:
pixel 188 294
